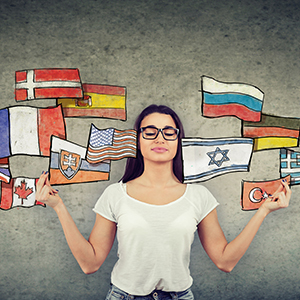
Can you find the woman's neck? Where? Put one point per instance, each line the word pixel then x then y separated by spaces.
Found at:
pixel 158 174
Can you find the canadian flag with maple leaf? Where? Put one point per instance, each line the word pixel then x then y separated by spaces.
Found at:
pixel 20 192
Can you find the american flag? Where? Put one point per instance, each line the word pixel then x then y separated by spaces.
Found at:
pixel 111 144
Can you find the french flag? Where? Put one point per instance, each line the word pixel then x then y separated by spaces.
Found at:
pixel 241 100
pixel 28 130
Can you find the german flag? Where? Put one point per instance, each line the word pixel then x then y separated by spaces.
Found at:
pixel 272 132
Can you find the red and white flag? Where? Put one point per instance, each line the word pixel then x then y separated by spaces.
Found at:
pixel 48 84
pixel 255 193
pixel 20 192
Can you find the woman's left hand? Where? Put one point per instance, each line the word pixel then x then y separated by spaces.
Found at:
pixel 280 199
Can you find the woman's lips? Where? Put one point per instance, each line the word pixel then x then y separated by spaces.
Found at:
pixel 159 149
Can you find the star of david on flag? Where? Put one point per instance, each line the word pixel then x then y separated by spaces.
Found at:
pixel 204 159
pixel 214 155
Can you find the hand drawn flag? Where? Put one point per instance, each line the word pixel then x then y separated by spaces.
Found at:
pixel 20 192
pixel 28 130
pixel 254 193
pixel 204 159
pixel 47 84
pixel 241 100
pixel 111 144
pixel 68 164
pixel 102 101
pixel 290 165
pixel 273 132
pixel 4 170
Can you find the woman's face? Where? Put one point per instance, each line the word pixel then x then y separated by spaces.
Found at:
pixel 158 149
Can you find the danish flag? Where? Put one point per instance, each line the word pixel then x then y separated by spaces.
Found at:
pixel 48 84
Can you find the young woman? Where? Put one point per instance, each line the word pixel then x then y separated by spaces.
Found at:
pixel 155 216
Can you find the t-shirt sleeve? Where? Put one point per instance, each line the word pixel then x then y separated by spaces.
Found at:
pixel 204 201
pixel 104 205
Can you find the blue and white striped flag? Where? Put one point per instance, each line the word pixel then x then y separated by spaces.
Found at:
pixel 204 159
pixel 290 165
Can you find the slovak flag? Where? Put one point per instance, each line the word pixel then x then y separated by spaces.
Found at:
pixel 20 192
pixel 48 84
pixel 28 130
pixel 68 164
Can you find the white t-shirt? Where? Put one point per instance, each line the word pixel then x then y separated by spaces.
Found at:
pixel 154 241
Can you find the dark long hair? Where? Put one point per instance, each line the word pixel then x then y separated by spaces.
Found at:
pixel 135 166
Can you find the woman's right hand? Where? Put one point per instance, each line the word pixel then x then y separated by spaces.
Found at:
pixel 45 193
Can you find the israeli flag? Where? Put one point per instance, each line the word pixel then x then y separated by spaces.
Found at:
pixel 204 159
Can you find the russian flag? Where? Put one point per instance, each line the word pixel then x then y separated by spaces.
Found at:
pixel 241 100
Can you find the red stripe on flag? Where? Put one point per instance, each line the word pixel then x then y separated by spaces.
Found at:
pixel 104 89
pixel 68 92
pixel 20 94
pixel 50 122
pixel 109 113
pixel 6 195
pixel 237 110
pixel 4 161
pixel 21 76
pixel 57 74
pixel 269 131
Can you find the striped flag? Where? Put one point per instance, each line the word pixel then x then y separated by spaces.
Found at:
pixel 254 193
pixel 290 165
pixel 231 99
pixel 111 144
pixel 28 130
pixel 102 101
pixel 204 159
pixel 68 164
pixel 47 84
pixel 20 192
pixel 4 170
pixel 273 132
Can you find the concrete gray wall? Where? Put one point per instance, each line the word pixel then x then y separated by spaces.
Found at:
pixel 158 50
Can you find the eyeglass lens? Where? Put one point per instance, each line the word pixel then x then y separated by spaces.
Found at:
pixel 169 133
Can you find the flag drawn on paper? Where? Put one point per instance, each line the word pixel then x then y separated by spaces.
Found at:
pixel 49 83
pixel 290 165
pixel 102 101
pixel 4 170
pixel 111 144
pixel 20 192
pixel 204 159
pixel 273 132
pixel 241 100
pixel 254 193
pixel 68 164
pixel 28 130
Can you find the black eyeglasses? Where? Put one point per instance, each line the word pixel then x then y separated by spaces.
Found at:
pixel 151 132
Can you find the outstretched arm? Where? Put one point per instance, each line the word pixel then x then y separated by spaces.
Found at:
pixel 89 254
pixel 226 255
